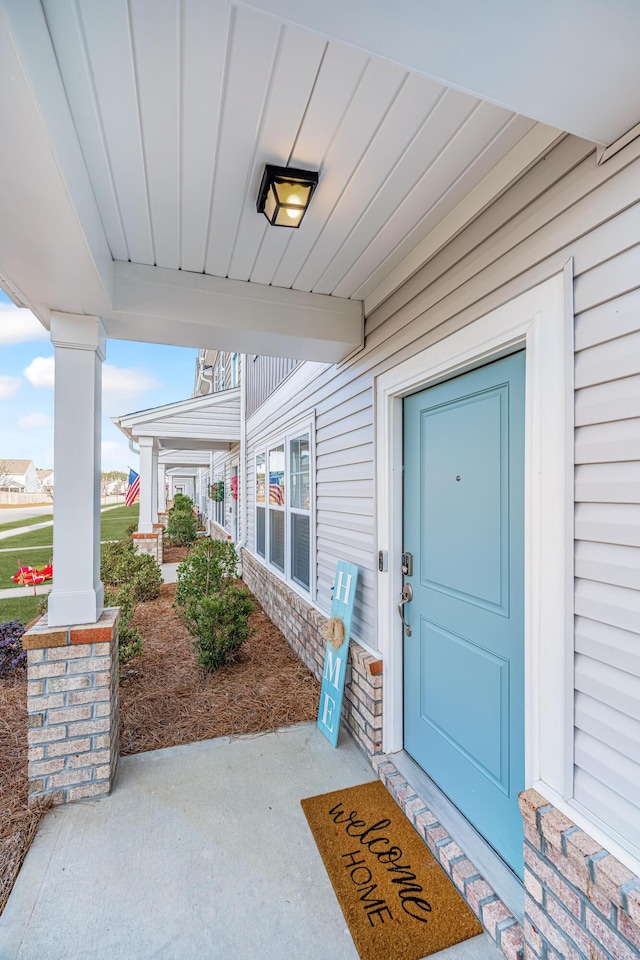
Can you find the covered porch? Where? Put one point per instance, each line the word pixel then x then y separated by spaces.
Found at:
pixel 204 851
pixel 129 211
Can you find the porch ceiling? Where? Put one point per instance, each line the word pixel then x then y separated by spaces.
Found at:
pixel 183 459
pixel 128 186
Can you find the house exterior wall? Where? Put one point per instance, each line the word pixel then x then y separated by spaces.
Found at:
pixel 566 207
pixel 222 519
pixel 263 376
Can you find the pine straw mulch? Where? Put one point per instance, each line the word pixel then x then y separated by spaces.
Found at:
pixel 166 699
pixel 171 554
pixel 18 821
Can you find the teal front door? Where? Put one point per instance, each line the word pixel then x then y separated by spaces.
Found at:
pixel 464 660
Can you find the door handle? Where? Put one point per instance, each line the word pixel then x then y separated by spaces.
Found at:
pixel 407 597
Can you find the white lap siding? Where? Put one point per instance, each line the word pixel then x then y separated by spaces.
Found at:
pixel 607 531
pixel 565 207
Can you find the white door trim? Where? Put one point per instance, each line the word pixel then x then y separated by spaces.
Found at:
pixel 542 321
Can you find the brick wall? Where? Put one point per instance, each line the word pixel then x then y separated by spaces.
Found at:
pixel 72 706
pixel 581 903
pixel 216 532
pixel 301 625
pixel 492 913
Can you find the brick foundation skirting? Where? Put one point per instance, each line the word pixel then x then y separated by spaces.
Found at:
pixel 581 902
pixel 72 707
pixel 301 625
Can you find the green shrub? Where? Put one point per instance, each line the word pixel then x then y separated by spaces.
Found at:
pixel 181 527
pixel 182 503
pixel 129 638
pixel 210 568
pixel 215 610
pixel 121 564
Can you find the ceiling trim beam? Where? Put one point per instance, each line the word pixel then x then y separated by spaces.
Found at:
pixel 153 302
pixel 519 159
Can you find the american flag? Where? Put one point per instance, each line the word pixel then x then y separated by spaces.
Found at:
pixel 133 488
pixel 276 494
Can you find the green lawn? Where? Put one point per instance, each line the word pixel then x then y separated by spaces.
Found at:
pixel 115 522
pixel 25 523
pixel 24 609
pixel 113 527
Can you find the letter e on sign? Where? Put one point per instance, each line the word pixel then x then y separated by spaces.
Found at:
pixel 335 664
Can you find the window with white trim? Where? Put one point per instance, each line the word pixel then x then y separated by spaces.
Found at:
pixel 261 504
pixel 283 507
pixel 277 508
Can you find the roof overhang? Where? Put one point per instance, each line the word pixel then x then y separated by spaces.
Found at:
pixel 202 424
pixel 128 180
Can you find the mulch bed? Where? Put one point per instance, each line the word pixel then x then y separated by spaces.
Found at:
pixel 166 699
pixel 18 821
pixel 172 554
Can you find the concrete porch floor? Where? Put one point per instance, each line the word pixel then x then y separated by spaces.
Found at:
pixel 200 852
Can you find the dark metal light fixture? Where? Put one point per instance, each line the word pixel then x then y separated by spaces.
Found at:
pixel 285 194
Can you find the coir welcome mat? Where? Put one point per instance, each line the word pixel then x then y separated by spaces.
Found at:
pixel 395 897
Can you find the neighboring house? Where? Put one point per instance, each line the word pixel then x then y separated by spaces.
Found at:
pixel 46 479
pixel 455 402
pixel 20 476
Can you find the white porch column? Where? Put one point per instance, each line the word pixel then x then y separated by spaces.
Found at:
pixel 210 502
pixel 146 521
pixel 77 596
pixel 162 488
pixel 154 483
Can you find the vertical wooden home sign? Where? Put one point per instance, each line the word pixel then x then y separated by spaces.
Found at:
pixel 335 663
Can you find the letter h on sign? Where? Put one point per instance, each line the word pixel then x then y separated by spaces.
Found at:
pixel 335 664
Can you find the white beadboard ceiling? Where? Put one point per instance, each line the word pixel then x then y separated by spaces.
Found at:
pixel 178 106
pixel 138 130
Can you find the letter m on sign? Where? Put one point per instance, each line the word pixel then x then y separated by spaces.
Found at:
pixel 335 664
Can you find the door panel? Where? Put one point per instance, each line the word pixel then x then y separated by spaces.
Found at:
pixel 464 663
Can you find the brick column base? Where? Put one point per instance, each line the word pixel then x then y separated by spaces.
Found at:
pixel 580 901
pixel 72 706
pixel 150 543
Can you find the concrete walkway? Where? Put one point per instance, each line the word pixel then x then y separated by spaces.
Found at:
pixel 169 572
pixel 16 531
pixel 7 592
pixel 201 852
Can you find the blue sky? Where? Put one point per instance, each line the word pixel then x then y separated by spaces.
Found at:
pixel 135 376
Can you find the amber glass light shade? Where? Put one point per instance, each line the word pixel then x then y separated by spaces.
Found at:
pixel 285 194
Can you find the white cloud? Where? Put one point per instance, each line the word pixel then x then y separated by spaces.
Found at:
pixel 127 382
pixel 35 421
pixel 124 384
pixel 40 373
pixel 9 386
pixel 18 325
pixel 116 456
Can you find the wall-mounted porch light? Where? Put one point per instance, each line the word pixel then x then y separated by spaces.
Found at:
pixel 285 194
